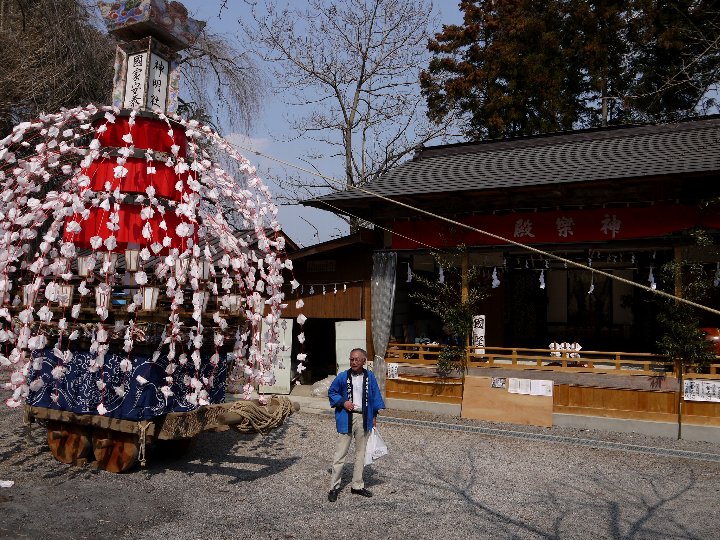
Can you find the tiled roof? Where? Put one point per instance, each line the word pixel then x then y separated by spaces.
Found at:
pixel 684 148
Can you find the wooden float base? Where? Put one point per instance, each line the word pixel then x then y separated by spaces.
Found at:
pixel 116 445
pixel 69 443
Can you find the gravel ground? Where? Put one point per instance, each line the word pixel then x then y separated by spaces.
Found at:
pixel 434 484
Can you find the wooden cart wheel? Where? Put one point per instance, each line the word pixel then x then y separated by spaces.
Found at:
pixel 69 443
pixel 115 451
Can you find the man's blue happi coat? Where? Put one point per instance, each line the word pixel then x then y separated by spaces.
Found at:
pixel 338 395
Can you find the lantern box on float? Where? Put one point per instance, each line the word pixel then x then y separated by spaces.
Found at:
pixel 167 21
pixel 151 32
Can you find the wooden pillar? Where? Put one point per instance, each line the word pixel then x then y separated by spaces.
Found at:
pixel 366 312
pixel 465 294
pixel 464 267
pixel 677 255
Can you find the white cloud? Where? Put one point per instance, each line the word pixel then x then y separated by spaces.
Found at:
pixel 246 145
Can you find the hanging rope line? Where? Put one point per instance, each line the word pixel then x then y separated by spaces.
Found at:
pixel 428 213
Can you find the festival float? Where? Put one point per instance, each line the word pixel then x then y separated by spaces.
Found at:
pixel 129 300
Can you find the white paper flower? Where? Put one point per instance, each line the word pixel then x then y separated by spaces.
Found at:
pixel 147 231
pixel 37 342
pixel 102 411
pixel 58 372
pixel 183 230
pixel 67 249
pixel 51 291
pixel 73 227
pixel 44 314
pixel 83 290
pixel 101 335
pixel 95 242
pixel 301 319
pixel 141 278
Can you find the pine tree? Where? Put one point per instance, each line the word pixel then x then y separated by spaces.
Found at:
pixel 521 67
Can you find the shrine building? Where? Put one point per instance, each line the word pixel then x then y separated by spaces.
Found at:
pixel 623 200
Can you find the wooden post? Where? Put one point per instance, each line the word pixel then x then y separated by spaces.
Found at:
pixel 680 396
pixel 677 254
pixel 464 267
pixel 465 294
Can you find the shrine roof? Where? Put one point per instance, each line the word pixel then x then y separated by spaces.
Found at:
pixel 689 147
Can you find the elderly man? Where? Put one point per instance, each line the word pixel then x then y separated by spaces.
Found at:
pixel 355 395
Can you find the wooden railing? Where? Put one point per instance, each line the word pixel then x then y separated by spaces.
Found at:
pixel 620 363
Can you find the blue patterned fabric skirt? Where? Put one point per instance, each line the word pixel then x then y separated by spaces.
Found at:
pixel 78 391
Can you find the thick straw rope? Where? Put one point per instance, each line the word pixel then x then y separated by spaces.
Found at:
pixel 261 419
pixel 246 416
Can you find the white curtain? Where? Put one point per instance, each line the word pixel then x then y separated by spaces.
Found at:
pixel 383 299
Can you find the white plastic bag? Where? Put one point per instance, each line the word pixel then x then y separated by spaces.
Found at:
pixel 376 447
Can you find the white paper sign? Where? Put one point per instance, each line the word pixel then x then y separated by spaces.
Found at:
pixel 530 387
pixel 158 82
pixel 392 370
pixel 541 388
pixel 478 333
pixel 135 83
pixel 701 390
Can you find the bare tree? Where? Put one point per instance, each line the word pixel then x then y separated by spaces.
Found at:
pixel 56 53
pixel 53 56
pixel 222 84
pixel 352 68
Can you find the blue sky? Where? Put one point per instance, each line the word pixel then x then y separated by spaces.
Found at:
pixel 306 226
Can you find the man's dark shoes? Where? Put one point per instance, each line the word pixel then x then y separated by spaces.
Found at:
pixel 364 492
pixel 332 495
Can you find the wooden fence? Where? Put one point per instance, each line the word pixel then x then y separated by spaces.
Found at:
pixel 634 386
